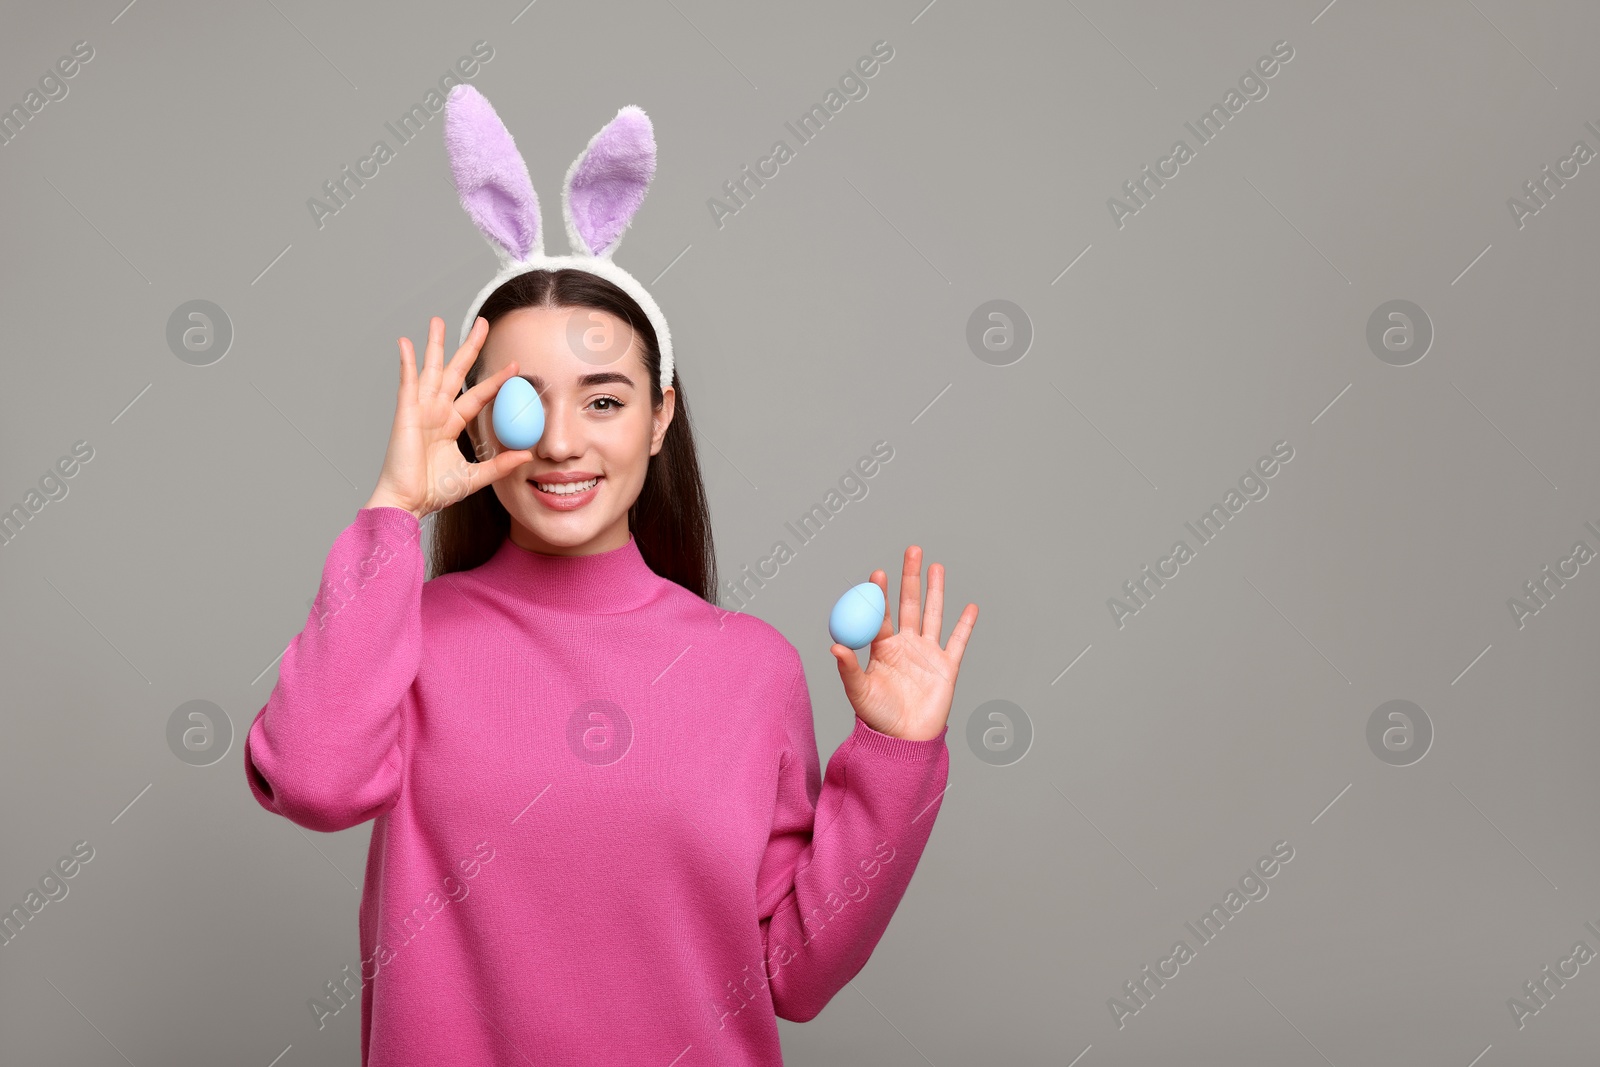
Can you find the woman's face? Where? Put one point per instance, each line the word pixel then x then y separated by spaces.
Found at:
pixel 589 371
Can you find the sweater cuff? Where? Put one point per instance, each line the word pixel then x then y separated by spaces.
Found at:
pixel 398 520
pixel 898 748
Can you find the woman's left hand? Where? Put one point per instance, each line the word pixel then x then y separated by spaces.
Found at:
pixel 909 682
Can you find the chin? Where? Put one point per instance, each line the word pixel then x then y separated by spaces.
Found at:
pixel 562 531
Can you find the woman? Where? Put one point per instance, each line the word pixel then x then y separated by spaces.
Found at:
pixel 602 834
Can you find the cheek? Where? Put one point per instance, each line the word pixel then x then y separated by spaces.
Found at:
pixel 639 433
pixel 627 450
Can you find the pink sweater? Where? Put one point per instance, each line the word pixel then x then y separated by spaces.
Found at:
pixel 601 833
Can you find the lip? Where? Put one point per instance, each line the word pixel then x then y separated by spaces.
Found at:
pixel 564 476
pixel 571 501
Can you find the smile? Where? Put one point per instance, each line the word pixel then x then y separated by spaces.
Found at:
pixel 566 488
pixel 567 495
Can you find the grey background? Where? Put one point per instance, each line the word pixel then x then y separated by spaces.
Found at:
pixel 1228 314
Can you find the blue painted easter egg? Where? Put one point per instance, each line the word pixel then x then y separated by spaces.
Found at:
pixel 858 616
pixel 518 414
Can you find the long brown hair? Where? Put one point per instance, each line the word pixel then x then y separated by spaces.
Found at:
pixel 670 521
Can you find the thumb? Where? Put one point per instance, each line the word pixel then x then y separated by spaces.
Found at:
pixel 504 463
pixel 493 469
pixel 850 672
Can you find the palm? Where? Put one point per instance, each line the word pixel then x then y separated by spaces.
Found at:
pixel 442 465
pixel 423 469
pixel 909 683
pixel 428 455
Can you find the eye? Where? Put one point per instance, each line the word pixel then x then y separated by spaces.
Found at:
pixel 616 405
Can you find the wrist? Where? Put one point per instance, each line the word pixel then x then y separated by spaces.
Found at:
pixel 909 733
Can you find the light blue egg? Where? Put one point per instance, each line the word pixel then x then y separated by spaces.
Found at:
pixel 518 414
pixel 858 616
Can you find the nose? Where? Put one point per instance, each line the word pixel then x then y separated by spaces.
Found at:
pixel 562 431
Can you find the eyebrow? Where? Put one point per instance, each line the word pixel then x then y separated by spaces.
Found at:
pixel 609 377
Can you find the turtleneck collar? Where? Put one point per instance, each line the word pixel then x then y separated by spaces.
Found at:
pixel 601 583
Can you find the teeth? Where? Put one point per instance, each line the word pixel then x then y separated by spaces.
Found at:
pixel 567 488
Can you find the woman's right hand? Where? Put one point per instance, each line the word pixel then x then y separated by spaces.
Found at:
pixel 423 469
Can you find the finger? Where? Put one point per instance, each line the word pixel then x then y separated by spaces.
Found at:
pixel 880 579
pixel 433 358
pixel 469 403
pixel 958 637
pixel 850 671
pixel 911 591
pixel 408 370
pixel 495 468
pixel 933 611
pixel 505 462
pixel 466 355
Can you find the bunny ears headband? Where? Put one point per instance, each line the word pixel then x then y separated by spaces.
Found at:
pixel 603 188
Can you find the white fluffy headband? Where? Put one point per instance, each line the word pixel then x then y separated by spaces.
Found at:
pixel 604 187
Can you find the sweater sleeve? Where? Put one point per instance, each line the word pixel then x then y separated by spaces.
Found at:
pixel 841 853
pixel 325 751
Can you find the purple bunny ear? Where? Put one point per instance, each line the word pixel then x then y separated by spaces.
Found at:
pixel 490 175
pixel 606 183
